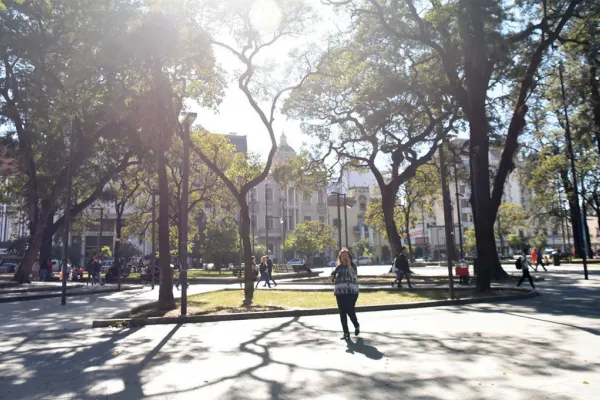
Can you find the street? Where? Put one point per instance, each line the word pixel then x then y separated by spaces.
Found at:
pixel 545 347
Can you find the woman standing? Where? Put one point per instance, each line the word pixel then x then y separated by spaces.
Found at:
pixel 346 291
pixel 264 272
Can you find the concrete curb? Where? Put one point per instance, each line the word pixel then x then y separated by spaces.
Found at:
pixel 70 293
pixel 139 322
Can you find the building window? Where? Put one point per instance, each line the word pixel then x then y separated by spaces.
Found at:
pixel 321 198
pixel 307 196
pixel 253 221
pixel 336 222
pixel 461 189
pixel 269 222
pixel 269 194
pixel 253 195
pixel 322 219
pixel 307 218
pixel 464 203
pixel 363 207
pixel 290 197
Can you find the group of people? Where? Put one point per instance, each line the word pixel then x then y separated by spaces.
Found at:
pixel 42 271
pixel 265 269
pixel 94 270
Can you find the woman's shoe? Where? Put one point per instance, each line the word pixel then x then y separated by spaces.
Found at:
pixel 357 331
pixel 346 336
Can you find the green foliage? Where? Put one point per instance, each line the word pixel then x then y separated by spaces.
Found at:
pixel 362 248
pixel 304 175
pixel 539 241
pixel 511 217
pixel 222 242
pixel 105 253
pixel 515 241
pixel 470 244
pixel 309 238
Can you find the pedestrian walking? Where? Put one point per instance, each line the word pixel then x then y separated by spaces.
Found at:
pixel 539 260
pixel 264 272
pixel 523 264
pixel 534 255
pixel 97 270
pixel 270 264
pixel 402 268
pixel 89 268
pixel 35 271
pixel 346 291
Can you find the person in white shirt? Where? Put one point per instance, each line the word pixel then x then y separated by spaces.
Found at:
pixel 525 269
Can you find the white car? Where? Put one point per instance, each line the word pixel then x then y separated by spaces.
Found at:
pixel 296 263
pixel 364 260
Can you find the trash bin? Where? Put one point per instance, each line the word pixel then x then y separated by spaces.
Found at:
pixel 556 259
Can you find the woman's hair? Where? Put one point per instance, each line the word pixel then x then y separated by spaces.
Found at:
pixel 350 264
pixel 263 259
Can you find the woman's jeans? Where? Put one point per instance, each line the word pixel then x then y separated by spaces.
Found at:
pixel 346 304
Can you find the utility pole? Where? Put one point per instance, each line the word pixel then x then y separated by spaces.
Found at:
pixel 65 252
pixel 574 172
pixel 449 225
pixel 346 219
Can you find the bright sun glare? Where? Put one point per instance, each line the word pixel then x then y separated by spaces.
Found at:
pixel 265 15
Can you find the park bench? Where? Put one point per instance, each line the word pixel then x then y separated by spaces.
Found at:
pixel 283 268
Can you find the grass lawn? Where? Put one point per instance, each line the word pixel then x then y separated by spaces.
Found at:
pixel 386 279
pixel 229 302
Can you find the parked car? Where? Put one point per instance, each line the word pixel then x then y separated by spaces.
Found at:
pixel 8 268
pixel 364 260
pixel 296 263
pixel 106 264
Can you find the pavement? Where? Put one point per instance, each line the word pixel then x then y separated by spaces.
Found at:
pixel 547 347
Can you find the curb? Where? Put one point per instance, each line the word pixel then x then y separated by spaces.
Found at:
pixel 69 294
pixel 140 322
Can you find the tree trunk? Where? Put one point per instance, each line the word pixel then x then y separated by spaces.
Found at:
pixel 575 219
pixel 166 300
pixel 47 236
pixel 587 230
pixel 388 205
pixel 24 271
pixel 487 263
pixel 247 245
pixel 410 249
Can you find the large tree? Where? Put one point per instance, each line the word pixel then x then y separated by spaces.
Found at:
pixel 310 238
pixel 376 108
pixel 479 45
pixel 54 95
pixel 239 22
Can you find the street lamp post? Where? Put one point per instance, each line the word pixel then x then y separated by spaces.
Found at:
pixel 458 206
pixel 99 239
pixel 339 219
pixel 267 219
pixel 153 258
pixel 283 222
pixel 449 225
pixel 185 172
pixel 65 252
pixel 574 172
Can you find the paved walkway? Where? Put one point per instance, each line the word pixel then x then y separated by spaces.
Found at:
pixel 547 347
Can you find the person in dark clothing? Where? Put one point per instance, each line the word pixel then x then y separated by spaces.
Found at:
pixel 525 269
pixel 346 291
pixel 97 271
pixel 43 270
pixel 270 265
pixel 264 272
pixel 539 260
pixel 402 268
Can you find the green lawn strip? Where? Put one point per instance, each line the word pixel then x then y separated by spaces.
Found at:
pixel 386 279
pixel 230 302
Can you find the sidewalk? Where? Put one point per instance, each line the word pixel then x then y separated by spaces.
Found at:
pixel 547 347
pixel 79 312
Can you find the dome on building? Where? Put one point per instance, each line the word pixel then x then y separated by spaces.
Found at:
pixel 284 146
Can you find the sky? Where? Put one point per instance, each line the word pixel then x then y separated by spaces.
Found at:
pixel 235 113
